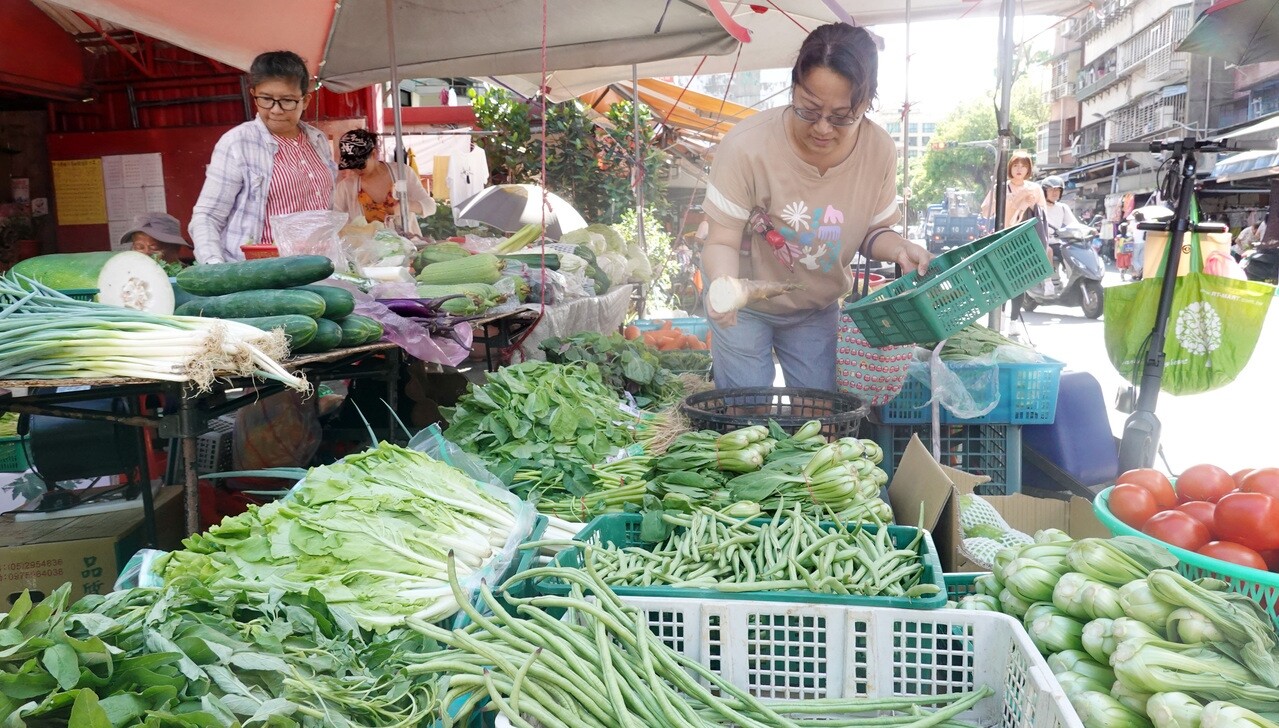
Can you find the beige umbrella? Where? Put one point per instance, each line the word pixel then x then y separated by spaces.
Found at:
pixel 510 207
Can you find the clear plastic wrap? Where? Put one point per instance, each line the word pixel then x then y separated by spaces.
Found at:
pixel 970 389
pixel 314 232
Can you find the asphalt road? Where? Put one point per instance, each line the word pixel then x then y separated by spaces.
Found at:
pixel 1233 427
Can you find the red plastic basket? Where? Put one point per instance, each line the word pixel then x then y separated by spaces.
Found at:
pixel 254 252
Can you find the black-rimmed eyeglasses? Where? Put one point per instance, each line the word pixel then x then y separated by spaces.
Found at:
pixel 267 102
pixel 811 116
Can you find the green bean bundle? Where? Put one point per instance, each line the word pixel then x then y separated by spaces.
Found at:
pixel 792 551
pixel 603 668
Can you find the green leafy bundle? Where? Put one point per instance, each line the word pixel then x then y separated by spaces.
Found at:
pixel 371 532
pixel 186 657
pixel 626 366
pixel 541 427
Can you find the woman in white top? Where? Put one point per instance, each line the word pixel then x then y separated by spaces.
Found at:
pixel 368 191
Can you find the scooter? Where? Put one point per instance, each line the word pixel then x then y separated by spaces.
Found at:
pixel 1261 264
pixel 1083 269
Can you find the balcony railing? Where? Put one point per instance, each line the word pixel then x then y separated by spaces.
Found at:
pixel 1148 116
pixel 1096 20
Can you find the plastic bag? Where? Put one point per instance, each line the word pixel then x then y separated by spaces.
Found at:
pixel 413 338
pixel 431 441
pixel 314 232
pixel 279 431
pixel 384 249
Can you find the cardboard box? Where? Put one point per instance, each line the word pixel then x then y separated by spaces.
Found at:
pixel 920 479
pixel 87 551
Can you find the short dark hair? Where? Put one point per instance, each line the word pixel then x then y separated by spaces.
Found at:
pixel 282 65
pixel 848 50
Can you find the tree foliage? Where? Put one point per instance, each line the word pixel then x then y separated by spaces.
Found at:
pixel 970 168
pixel 587 163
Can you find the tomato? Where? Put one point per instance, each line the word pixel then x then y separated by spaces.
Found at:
pixel 1201 511
pixel 1132 504
pixel 1272 559
pixel 1153 481
pixel 1178 529
pixel 1261 480
pixel 1239 475
pixel 1205 483
pixel 1234 553
pixel 1250 519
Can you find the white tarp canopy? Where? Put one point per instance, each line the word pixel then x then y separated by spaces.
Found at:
pixel 590 42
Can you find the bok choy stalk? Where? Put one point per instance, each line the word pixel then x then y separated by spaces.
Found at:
pixel 1079 662
pixel 1072 683
pixel 1030 580
pixel 1012 605
pixel 1084 598
pixel 1174 710
pixel 1099 639
pixel 1099 710
pixel 1155 667
pixel 1132 699
pixel 1125 629
pixel 1221 714
pixel 988 584
pixel 1054 633
pixel 979 602
pixel 1119 560
pixel 1191 627
pixel 47 335
pixel 1139 603
pixel 1249 635
pixel 371 532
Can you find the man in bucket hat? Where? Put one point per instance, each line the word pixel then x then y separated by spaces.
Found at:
pixel 157 234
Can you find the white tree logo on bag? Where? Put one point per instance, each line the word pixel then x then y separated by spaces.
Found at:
pixel 1199 328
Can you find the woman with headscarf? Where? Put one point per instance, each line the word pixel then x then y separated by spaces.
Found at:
pixel 368 190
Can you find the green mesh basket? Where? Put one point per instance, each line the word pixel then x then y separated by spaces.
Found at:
pixel 961 286
pixel 1260 586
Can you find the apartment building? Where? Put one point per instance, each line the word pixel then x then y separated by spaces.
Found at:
pixel 918 137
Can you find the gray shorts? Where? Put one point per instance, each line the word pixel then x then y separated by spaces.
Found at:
pixel 804 343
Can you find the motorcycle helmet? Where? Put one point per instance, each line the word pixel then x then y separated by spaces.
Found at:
pixel 1054 181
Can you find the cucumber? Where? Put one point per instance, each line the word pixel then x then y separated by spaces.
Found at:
pixel 299 330
pixel 216 279
pixel 125 279
pixel 180 296
pixel 338 302
pixel 359 330
pixel 535 260
pixel 253 304
pixel 328 335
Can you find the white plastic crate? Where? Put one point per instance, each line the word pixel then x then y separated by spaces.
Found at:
pixel 798 651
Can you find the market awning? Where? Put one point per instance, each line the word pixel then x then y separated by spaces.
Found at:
pixel 1262 129
pixel 1247 165
pixel 1079 173
pixel 691 113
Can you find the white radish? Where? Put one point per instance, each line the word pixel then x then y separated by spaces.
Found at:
pixel 728 294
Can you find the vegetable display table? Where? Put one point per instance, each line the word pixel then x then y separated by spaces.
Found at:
pixel 195 408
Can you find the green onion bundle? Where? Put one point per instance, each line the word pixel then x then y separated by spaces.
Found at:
pixel 793 551
pixel 47 335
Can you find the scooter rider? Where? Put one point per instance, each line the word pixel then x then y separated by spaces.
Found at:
pixel 1057 215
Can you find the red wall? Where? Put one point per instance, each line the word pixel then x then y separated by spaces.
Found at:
pixel 185 152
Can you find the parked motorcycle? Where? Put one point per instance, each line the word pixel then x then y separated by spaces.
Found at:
pixel 1261 264
pixel 1083 269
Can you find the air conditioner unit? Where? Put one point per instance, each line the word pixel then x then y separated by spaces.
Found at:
pixel 1165 117
pixel 1256 107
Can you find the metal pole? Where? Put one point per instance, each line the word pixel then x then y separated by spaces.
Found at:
pixel 906 127
pixel 401 185
pixel 1005 138
pixel 641 170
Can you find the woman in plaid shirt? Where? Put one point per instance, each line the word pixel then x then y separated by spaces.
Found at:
pixel 273 165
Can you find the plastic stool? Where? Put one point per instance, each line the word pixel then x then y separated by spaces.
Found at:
pixel 1079 441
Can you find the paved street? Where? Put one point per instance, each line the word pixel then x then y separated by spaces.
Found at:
pixel 1234 427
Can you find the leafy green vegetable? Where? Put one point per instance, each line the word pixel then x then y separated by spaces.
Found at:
pixel 626 366
pixel 371 532
pixel 541 426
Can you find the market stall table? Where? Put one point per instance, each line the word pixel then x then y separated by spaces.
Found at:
pixel 601 314
pixel 194 408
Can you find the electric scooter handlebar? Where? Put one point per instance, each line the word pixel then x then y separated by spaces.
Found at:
pixel 1199 145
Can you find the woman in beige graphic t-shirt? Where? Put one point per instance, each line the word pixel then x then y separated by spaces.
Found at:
pixel 821 180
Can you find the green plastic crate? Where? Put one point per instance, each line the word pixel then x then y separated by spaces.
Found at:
pixel 81 294
pixel 623 529
pixel 961 286
pixel 961 584
pixel 13 455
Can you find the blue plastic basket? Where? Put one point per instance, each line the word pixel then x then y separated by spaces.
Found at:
pixel 990 450
pixel 1027 396
pixel 694 325
pixel 81 294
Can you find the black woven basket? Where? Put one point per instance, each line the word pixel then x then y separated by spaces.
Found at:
pixel 724 410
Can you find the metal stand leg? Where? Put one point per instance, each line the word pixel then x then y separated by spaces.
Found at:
pixel 144 474
pixel 191 479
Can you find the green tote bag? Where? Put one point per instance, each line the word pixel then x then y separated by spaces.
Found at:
pixel 1212 329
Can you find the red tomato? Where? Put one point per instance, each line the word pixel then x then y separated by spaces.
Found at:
pixel 1250 519
pixel 1205 483
pixel 1261 480
pixel 1201 511
pixel 1132 504
pixel 1153 481
pixel 1177 528
pixel 1272 559
pixel 1239 475
pixel 1234 553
